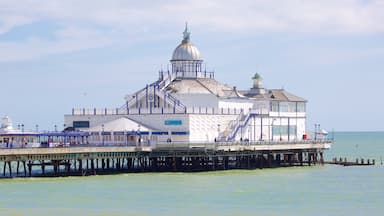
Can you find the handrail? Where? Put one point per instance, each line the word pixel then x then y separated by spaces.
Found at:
pixel 241 124
pixel 231 126
pixel 159 110
pixel 180 144
pixel 160 86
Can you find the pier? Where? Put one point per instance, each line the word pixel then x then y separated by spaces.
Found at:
pixel 90 160
pixel 357 162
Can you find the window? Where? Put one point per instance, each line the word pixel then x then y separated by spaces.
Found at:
pixel 81 124
pixel 300 107
pixel 173 122
pixel 284 106
pixel 275 106
pixel 283 130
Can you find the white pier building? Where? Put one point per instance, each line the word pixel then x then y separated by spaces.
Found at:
pixel 187 104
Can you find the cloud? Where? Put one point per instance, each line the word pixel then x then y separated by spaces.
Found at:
pixel 68 40
pixel 92 23
pixel 245 16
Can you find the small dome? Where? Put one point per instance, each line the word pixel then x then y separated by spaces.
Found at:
pixel 256 76
pixel 6 123
pixel 186 50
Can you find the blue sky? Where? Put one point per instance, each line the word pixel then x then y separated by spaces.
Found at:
pixel 55 55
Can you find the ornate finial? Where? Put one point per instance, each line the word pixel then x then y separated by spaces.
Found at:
pixel 186 33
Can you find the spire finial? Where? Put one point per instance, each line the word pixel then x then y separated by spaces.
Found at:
pixel 186 33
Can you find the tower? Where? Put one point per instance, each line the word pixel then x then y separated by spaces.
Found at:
pixel 257 87
pixel 186 61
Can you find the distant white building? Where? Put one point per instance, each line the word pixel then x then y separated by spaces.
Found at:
pixel 12 137
pixel 187 104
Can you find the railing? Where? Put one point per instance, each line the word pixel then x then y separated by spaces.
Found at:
pixel 165 81
pixel 159 87
pixel 240 124
pixel 230 127
pixel 159 145
pixel 157 110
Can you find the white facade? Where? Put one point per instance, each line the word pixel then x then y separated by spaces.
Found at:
pixel 187 104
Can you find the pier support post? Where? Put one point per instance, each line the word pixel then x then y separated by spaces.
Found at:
pixel 286 159
pixel 309 158
pixel 261 161
pixel 270 159
pixel 43 167
pixel 10 168
pixel 25 169
pixel 93 166
pixel 174 164
pixel 54 163
pixel 30 168
pixel 17 167
pixel 291 159
pixel 278 159
pixel 4 168
pixel 315 155
pixel 249 161
pixel 300 157
pixel 81 165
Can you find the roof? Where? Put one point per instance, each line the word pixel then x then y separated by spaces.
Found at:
pixel 256 76
pixel 282 95
pixel 120 124
pixel 274 95
pixel 202 86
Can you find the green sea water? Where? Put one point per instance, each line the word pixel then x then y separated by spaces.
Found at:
pixel 316 190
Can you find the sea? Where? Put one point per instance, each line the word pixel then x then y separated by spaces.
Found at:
pixel 315 190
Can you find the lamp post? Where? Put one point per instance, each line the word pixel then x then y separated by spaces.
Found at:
pixel 249 133
pixel 218 132
pixel 139 134
pixel 55 128
pixel 22 128
pixel 280 127
pixel 271 137
pixel 317 131
pixel 65 138
pixel 102 134
pixel 37 128
pixel 126 137
pixel 241 133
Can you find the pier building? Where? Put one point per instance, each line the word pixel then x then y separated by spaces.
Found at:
pixel 187 104
pixel 185 120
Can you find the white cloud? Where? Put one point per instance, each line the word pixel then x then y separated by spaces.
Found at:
pixel 35 47
pixel 245 16
pixel 125 20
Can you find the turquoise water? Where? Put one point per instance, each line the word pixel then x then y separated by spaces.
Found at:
pixel 318 190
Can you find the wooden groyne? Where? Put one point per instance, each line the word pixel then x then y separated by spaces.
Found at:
pixel 81 161
pixel 357 162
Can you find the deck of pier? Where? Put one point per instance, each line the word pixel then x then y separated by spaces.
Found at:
pixel 90 160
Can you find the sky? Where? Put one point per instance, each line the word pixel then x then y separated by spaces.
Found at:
pixel 57 55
